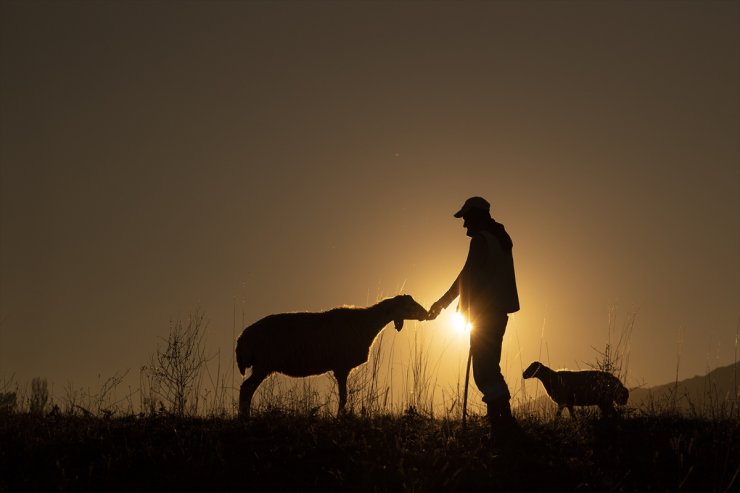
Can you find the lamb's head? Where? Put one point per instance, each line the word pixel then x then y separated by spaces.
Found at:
pixel 404 307
pixel 532 370
pixel 621 395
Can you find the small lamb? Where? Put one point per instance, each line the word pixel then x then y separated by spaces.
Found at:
pixel 580 388
pixel 304 344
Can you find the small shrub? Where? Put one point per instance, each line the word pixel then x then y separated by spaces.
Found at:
pixel 8 402
pixel 175 371
pixel 39 395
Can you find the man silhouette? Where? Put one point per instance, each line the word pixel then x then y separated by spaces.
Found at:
pixel 487 290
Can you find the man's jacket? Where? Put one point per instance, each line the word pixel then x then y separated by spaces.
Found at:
pixel 487 283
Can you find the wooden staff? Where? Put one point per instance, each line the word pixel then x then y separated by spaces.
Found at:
pixel 465 393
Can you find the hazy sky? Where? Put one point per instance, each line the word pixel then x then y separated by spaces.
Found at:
pixel 258 157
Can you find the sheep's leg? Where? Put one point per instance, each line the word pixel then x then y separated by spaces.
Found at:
pixel 249 386
pixel 560 410
pixel 341 376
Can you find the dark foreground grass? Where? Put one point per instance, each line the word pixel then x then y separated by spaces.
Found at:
pixel 287 452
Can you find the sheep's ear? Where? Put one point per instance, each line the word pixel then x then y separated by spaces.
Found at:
pixel 399 324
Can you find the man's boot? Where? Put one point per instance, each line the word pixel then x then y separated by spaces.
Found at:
pixel 504 427
pixel 499 413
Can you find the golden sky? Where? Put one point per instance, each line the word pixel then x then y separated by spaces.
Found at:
pixel 254 157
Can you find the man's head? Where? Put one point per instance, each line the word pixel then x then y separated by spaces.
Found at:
pixel 474 204
pixel 475 213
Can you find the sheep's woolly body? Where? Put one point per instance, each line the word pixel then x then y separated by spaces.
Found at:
pixel 308 343
pixel 303 344
pixel 579 388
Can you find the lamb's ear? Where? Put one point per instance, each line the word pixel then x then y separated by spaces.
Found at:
pixel 399 324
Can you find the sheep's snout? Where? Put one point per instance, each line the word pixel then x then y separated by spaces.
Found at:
pixel 412 310
pixel 398 324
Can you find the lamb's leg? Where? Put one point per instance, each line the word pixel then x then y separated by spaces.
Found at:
pixel 341 376
pixel 607 409
pixel 560 410
pixel 249 386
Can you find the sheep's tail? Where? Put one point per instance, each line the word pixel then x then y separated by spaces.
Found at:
pixel 244 357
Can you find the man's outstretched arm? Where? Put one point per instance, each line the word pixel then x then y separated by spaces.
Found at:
pixel 476 258
pixel 445 300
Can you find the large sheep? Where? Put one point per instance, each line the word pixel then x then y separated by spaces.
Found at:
pixel 303 344
pixel 579 388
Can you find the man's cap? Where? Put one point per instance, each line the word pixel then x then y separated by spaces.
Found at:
pixel 474 203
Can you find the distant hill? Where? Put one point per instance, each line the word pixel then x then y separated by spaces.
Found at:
pixel 701 394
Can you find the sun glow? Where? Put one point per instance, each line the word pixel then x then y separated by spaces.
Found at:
pixel 460 324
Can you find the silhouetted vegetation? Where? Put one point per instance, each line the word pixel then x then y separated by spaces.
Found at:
pixel 174 372
pixel 299 452
pixel 188 439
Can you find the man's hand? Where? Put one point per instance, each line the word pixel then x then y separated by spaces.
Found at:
pixel 433 312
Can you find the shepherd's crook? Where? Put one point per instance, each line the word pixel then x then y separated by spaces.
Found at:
pixel 465 393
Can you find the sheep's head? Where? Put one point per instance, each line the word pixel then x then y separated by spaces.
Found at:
pixel 532 370
pixel 406 308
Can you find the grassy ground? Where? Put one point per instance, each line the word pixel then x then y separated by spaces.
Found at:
pixel 277 451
